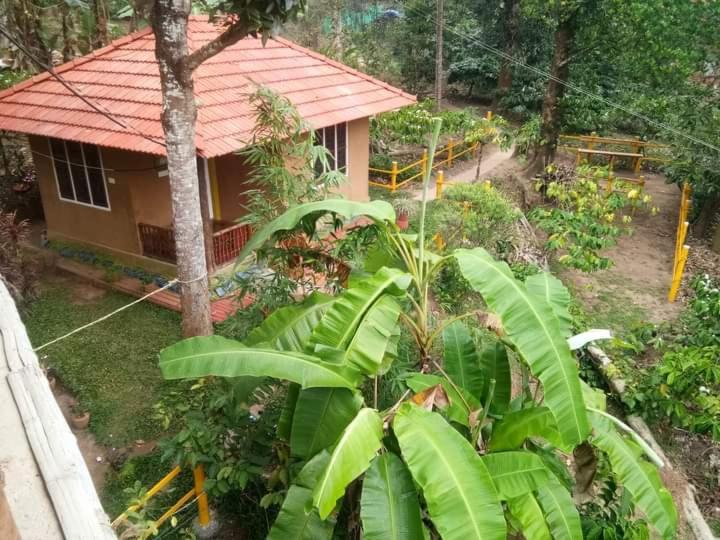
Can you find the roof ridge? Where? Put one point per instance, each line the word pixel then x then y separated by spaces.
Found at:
pixel 343 67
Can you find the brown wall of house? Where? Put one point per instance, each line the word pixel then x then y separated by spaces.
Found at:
pixel 114 228
pixel 231 173
pixel 151 198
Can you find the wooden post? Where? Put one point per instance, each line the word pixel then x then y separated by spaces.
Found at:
pixel 489 115
pixel 642 181
pixel 677 275
pixel 451 145
pixel 578 158
pixel 393 176
pixel 610 184
pixel 424 163
pixel 439 184
pixel 203 509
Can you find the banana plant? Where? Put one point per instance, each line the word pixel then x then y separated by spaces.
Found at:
pixel 460 455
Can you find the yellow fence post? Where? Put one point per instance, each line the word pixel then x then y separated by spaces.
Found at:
pixel 610 184
pixel 203 509
pixel 489 115
pixel 424 164
pixel 439 184
pixel 393 176
pixel 451 144
pixel 677 276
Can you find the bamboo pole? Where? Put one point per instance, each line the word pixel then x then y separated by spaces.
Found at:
pixel 439 184
pixel 393 176
pixel 450 147
pixel 202 500
pixel 677 277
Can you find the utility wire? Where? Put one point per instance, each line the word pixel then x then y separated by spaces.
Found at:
pixel 546 75
pixel 107 114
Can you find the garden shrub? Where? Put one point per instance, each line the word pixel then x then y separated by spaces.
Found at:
pixel 700 322
pixel 474 215
pixel 584 218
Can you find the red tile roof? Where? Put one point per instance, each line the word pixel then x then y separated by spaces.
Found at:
pixel 123 79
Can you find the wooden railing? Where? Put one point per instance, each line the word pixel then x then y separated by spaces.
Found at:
pixel 228 240
pixel 227 243
pixel 157 242
pixel 651 151
pixel 416 170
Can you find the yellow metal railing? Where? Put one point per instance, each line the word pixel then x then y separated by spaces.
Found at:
pixel 636 146
pixel 197 492
pixel 453 150
pixel 681 248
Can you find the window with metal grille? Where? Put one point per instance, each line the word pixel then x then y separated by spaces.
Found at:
pixel 79 173
pixel 334 138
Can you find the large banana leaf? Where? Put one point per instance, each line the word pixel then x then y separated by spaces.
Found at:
pixel 338 326
pixel 638 476
pixel 459 408
pixel 515 427
pixel 358 445
pixel 295 522
pixel 527 511
pixel 372 340
pixel 561 514
pixel 321 415
pixel 460 358
pixel 516 473
pixel 215 355
pixel 290 327
pixel 529 322
pixel 389 506
pixel 461 498
pixel 552 290
pixel 378 211
pixel 495 364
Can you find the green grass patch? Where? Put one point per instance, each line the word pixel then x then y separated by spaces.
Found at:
pixel 112 367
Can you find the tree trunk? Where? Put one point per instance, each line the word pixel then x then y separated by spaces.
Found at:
pixel 439 24
pixel 100 33
pixel 510 23
pixel 169 21
pixel 337 22
pixel 707 214
pixel 479 161
pixel 555 89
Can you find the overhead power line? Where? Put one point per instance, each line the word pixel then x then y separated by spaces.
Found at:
pixel 547 75
pixel 95 106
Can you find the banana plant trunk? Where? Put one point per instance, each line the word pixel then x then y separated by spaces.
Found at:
pixel 179 111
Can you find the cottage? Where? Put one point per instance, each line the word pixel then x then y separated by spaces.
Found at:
pixel 104 183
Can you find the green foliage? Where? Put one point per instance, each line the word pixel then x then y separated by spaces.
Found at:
pixel 283 160
pixel 413 124
pixel 442 430
pixel 529 136
pixel 585 219
pixel 474 215
pixel 221 431
pixel 389 504
pixel 684 386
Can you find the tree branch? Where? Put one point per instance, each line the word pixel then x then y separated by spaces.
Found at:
pixel 231 35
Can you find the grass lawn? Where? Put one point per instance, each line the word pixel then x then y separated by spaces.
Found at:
pixel 111 367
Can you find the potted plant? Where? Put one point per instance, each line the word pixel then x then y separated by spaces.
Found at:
pixel 79 418
pixel 403 208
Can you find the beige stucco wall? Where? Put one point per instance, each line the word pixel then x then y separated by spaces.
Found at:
pixel 356 188
pixel 114 228
pixel 138 195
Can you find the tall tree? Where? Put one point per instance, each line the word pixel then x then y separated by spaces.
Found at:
pixel 510 21
pixel 100 31
pixel 169 19
pixel 439 29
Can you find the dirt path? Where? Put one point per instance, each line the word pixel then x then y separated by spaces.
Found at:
pixel 636 286
pixel 493 158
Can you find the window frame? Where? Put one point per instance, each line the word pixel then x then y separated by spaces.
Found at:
pixel 66 163
pixel 346 168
